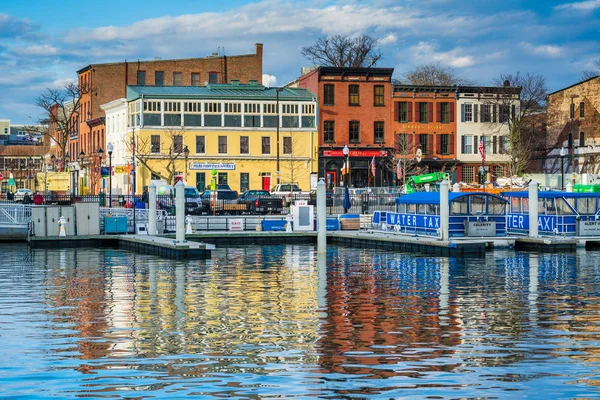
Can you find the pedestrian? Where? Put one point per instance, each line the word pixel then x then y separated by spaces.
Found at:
pixel 145 196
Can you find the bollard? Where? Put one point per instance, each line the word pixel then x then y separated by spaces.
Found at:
pixel 444 210
pixel 321 216
pixel 533 209
pixel 456 188
pixel 288 223
pixel 152 210
pixel 569 187
pixel 62 226
pixel 180 212
pixel 188 225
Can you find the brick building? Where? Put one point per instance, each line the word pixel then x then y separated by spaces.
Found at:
pixel 424 119
pixel 103 83
pixel 354 106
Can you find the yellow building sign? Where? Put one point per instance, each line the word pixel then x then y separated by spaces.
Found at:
pixel 55 181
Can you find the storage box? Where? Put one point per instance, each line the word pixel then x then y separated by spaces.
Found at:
pixel 273 225
pixel 115 224
pixel 350 224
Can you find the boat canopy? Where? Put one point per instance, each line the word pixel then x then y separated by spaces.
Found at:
pixel 553 195
pixel 434 197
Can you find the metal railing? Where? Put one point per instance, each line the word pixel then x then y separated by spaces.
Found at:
pixel 141 216
pixel 15 214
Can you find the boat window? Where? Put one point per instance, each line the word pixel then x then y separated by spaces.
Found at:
pixel 421 208
pixel 477 206
pixel 411 208
pixel 562 208
pixel 402 208
pixel 586 206
pixel 525 205
pixel 433 209
pixel 458 206
pixel 496 206
pixel 515 205
pixel 546 206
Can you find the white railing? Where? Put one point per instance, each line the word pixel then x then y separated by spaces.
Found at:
pixel 15 214
pixel 141 215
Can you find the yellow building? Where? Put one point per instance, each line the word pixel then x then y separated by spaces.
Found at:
pixel 231 130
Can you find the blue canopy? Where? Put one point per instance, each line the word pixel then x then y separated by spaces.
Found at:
pixel 434 197
pixel 553 195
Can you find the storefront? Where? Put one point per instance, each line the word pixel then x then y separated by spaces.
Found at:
pixel 331 163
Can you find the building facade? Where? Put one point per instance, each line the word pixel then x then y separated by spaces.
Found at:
pixel 227 129
pixel 354 106
pixel 102 83
pixel 424 127
pixel 116 135
pixel 573 118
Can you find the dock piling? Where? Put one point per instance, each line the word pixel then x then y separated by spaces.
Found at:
pixel 444 210
pixel 533 209
pixel 180 212
pixel 152 209
pixel 321 217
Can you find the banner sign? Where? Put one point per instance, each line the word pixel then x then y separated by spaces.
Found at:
pixel 412 220
pixel 589 228
pixel 546 223
pixel 104 171
pixel 355 153
pixel 120 169
pixel 194 166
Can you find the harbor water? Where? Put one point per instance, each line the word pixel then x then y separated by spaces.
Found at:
pixel 283 321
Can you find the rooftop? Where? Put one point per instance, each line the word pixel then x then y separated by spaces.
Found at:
pixel 457 89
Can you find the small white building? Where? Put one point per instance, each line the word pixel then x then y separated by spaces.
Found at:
pixel 116 133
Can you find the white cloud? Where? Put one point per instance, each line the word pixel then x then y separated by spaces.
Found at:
pixel 544 50
pixel 37 50
pixel 587 5
pixel 389 39
pixel 269 80
pixel 426 52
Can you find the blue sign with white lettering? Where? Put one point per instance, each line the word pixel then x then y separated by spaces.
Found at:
pixel 546 223
pixel 417 221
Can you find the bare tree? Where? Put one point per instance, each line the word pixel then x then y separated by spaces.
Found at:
pixel 344 51
pixel 162 159
pixel 403 153
pixel 62 108
pixel 591 73
pixel 294 161
pixel 434 74
pixel 520 102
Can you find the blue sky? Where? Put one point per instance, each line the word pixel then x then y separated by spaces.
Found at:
pixel 42 43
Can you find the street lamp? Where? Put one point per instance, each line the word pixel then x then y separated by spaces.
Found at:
pixel 29 168
pixel 563 153
pixel 79 172
pixel 100 154
pixel 278 172
pixel 186 154
pixel 109 149
pixel 346 152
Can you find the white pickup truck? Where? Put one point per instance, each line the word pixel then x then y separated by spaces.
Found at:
pixel 289 192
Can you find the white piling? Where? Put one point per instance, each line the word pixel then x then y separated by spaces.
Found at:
pixel 188 225
pixel 569 187
pixel 444 210
pixel 533 209
pixel 152 210
pixel 322 283
pixel 62 226
pixel 180 212
pixel 321 216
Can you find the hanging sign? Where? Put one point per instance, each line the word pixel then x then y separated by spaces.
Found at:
pixel 194 166
pixel 419 155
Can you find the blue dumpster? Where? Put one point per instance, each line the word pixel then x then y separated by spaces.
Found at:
pixel 273 225
pixel 115 224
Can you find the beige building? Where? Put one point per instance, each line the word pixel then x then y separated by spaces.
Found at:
pixel 574 123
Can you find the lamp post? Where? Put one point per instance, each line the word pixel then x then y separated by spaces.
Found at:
pixel 109 149
pixel 278 172
pixel 563 153
pixel 186 154
pixel 100 154
pixel 79 172
pixel 346 152
pixel 29 168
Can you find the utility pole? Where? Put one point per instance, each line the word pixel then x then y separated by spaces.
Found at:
pixel 278 172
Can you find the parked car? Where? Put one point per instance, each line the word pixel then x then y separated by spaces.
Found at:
pixel 20 194
pixel 222 202
pixel 193 201
pixel 289 192
pixel 328 198
pixel 261 202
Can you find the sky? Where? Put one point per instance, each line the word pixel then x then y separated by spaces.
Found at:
pixel 43 44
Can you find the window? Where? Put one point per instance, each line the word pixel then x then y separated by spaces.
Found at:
pixel 177 78
pixel 353 95
pixel 200 145
pixel 200 181
pixel 233 114
pixel 172 111
pixel 498 171
pixel 503 108
pixel 244 145
pixel 266 145
pixel 270 116
pixel 502 145
pixel 222 178
pixel 222 144
pixel 468 173
pixel 213 77
pixel 424 143
pixel 252 115
pixel 378 132
pixel 423 112
pixel 403 111
pixel 444 144
pixel 155 144
pixel 467 145
pixel 178 143
pixel 444 113
pixel 582 110
pixel 354 131
pixel 581 139
pixel 244 181
pixel 159 78
pixel 403 143
pixel 141 78
pixel 468 113
pixel 329 131
pixel 287 145
pixel 379 96
pixel 212 114
pixel 195 79
pixel 308 115
pixel 328 95
pixel 192 113
pixel 152 110
pixel 486 113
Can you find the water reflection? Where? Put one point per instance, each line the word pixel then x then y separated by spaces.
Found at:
pixel 280 320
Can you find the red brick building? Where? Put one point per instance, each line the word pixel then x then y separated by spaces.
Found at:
pixel 424 119
pixel 354 106
pixel 108 82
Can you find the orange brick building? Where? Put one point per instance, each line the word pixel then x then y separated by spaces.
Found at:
pixel 424 118
pixel 108 82
pixel 354 106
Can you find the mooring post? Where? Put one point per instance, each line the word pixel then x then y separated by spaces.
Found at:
pixel 533 209
pixel 180 212
pixel 321 217
pixel 444 209
pixel 569 187
pixel 152 210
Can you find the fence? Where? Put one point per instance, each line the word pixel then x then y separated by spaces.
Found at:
pixel 15 214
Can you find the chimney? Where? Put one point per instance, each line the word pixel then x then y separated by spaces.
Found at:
pixel 259 49
pixel 235 82
pixel 507 83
